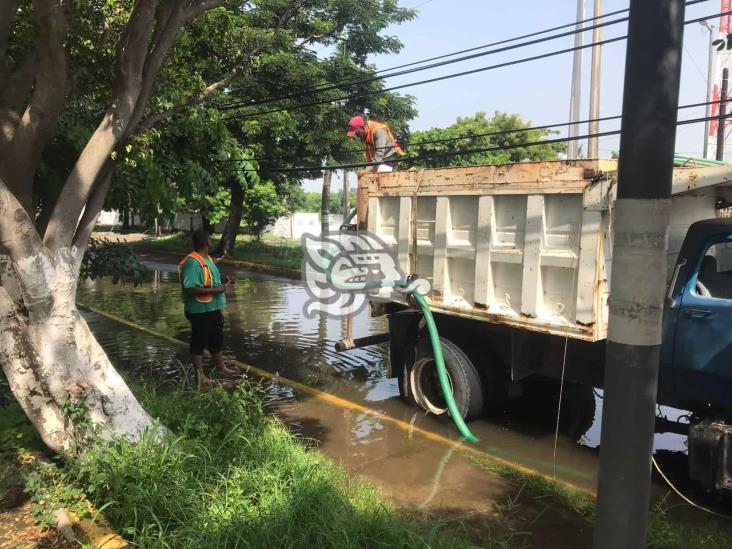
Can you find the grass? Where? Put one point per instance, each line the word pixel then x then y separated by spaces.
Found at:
pixel 268 251
pixel 230 477
pixel 667 530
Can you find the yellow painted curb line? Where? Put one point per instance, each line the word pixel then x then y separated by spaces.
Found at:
pixel 294 274
pixel 348 405
pixel 259 267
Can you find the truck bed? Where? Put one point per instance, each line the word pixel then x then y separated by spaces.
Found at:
pixel 526 245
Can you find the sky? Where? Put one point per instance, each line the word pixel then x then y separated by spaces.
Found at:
pixel 539 91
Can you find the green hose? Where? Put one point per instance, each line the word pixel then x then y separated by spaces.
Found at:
pixel 457 417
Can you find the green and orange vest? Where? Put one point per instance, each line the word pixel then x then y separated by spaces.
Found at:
pixel 371 128
pixel 207 278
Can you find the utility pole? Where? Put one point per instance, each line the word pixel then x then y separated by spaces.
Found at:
pixel 575 98
pixel 593 144
pixel 325 203
pixel 647 139
pixel 710 87
pixel 346 201
pixel 722 112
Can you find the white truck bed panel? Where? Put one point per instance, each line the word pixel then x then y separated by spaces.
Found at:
pixel 526 245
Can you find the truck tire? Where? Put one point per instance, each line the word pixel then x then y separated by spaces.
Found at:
pixel 420 384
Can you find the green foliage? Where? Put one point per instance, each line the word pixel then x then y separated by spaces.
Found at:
pixel 107 258
pixel 262 206
pixel 51 490
pixel 480 124
pixel 313 201
pixel 229 477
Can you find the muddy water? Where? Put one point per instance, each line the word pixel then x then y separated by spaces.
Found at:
pixel 265 327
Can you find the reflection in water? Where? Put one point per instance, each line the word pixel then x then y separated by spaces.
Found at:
pixel 265 327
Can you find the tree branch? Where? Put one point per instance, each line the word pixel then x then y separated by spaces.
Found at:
pixel 132 51
pixel 93 207
pixel 20 157
pixel 13 97
pixel 155 119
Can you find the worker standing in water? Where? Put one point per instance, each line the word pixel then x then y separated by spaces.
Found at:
pixel 204 301
pixel 380 144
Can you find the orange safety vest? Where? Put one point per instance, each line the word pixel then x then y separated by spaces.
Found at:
pixel 207 278
pixel 371 128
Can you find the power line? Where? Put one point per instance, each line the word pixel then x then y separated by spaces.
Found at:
pixel 445 154
pixel 573 24
pixel 428 81
pixel 454 75
pixel 489 134
pixel 336 85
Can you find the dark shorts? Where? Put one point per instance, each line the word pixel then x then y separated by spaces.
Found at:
pixel 207 332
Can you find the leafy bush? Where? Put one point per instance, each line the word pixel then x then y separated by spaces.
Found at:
pixel 106 258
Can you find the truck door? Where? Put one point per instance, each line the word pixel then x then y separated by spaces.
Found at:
pixel 702 358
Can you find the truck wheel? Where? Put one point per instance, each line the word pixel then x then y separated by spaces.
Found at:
pixel 421 383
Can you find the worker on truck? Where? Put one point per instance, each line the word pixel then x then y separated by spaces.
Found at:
pixel 204 299
pixel 381 146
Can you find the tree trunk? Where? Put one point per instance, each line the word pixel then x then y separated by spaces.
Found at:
pixel 125 229
pixel 51 359
pixel 236 211
pixel 206 224
pixel 325 203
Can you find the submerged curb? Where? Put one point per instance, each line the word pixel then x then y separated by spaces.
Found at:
pixel 258 267
pixel 294 274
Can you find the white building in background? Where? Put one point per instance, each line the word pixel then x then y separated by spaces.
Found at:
pixel 291 226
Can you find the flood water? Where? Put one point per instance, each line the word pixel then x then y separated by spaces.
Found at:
pixel 265 327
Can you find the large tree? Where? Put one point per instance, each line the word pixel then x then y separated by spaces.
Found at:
pixel 477 140
pixel 100 60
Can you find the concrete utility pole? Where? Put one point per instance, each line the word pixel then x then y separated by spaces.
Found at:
pixel 325 203
pixel 593 144
pixel 575 98
pixel 710 86
pixel 346 201
pixel 647 138
pixel 722 112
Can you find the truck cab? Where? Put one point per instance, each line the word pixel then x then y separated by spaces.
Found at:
pixel 697 338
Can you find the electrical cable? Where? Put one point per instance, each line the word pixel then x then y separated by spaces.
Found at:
pixel 473 151
pixel 444 77
pixel 373 78
pixel 682 496
pixel 429 80
pixel 336 85
pixel 488 134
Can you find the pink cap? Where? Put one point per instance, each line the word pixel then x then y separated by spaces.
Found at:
pixel 355 123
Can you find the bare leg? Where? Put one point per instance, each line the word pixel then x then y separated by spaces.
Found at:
pixel 197 361
pixel 218 361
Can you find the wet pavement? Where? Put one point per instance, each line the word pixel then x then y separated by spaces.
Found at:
pixel 265 327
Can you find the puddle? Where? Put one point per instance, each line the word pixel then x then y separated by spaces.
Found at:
pixel 265 327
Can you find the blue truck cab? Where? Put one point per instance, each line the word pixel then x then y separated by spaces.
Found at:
pixel 696 363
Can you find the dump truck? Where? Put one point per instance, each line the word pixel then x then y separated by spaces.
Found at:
pixel 519 258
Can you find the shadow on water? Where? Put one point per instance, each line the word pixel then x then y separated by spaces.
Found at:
pixel 265 327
